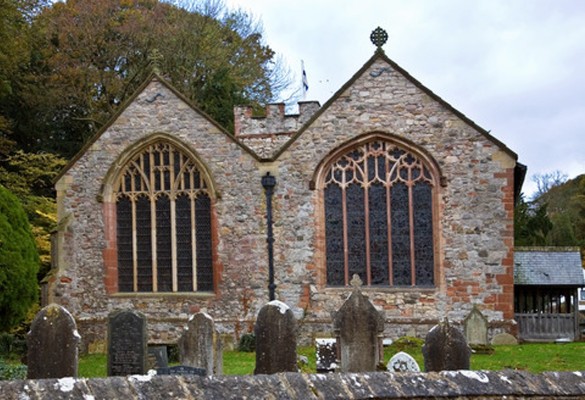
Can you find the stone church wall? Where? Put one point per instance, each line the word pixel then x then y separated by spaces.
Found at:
pixel 475 205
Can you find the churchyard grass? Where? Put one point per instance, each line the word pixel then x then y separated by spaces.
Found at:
pixel 93 366
pixel 532 357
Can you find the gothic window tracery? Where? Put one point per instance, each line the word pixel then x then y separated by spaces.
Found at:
pixel 378 205
pixel 163 214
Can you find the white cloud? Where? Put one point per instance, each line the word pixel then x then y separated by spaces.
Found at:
pixel 516 68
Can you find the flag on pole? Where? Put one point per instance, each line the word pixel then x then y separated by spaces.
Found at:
pixel 305 82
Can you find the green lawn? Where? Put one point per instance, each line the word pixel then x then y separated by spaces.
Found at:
pixel 530 357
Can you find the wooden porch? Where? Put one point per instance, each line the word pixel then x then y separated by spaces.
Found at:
pixel 546 313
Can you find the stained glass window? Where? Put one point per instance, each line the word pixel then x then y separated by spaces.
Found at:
pixel 378 200
pixel 163 212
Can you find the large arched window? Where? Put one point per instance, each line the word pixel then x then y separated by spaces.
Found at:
pixel 163 219
pixel 378 205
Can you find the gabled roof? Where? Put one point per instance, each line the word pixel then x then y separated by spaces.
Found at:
pixel 550 266
pixel 379 54
pixel 151 78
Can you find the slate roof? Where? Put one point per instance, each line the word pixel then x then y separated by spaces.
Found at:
pixel 549 266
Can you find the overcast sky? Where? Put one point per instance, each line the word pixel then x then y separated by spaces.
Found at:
pixel 515 67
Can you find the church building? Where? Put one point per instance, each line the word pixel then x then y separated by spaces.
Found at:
pixel 165 212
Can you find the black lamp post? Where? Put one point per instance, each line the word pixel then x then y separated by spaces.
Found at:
pixel 268 183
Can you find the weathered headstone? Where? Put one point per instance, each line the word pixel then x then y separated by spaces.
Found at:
pixel 402 362
pixel 276 342
pixel 181 370
pixel 53 344
pixel 326 354
pixel 504 339
pixel 475 326
pixel 127 347
pixel 359 327
pixel 445 349
pixel 200 345
pixel 158 357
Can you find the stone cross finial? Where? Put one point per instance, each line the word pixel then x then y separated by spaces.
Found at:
pixel 379 37
pixel 356 282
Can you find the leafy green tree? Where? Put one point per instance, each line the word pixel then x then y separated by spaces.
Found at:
pixel 15 54
pixel 89 56
pixel 29 176
pixel 19 262
pixel 531 223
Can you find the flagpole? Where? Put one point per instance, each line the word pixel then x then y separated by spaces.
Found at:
pixel 304 81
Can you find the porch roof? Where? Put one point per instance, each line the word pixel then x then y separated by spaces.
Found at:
pixel 551 266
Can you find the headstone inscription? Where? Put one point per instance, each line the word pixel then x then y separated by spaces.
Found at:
pixel 276 343
pixel 127 347
pixel 359 327
pixel 53 344
pixel 475 326
pixel 402 362
pixel 181 370
pixel 445 349
pixel 200 345
pixel 326 354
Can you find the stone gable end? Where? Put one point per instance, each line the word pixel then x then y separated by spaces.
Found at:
pixel 470 172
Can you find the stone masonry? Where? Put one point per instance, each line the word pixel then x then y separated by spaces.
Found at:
pixel 453 385
pixel 473 210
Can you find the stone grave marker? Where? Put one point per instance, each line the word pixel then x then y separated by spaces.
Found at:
pixel 402 362
pixel 326 354
pixel 53 344
pixel 504 339
pixel 200 345
pixel 359 327
pixel 276 340
pixel 445 349
pixel 181 370
pixel 158 357
pixel 475 326
pixel 127 347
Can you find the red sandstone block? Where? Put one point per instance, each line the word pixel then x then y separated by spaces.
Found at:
pixel 506 298
pixel 505 279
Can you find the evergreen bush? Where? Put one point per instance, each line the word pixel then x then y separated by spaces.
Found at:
pixel 11 372
pixel 247 343
pixel 19 262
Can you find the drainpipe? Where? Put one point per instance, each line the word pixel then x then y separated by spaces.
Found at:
pixel 268 183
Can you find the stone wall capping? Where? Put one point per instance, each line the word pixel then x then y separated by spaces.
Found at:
pixel 479 385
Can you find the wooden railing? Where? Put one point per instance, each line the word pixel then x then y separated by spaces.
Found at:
pixel 546 326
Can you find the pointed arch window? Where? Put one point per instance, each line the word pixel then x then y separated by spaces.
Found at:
pixel 163 214
pixel 378 204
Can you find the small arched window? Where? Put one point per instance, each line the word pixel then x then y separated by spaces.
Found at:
pixel 163 214
pixel 378 205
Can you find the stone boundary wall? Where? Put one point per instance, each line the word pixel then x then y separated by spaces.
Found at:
pixel 376 385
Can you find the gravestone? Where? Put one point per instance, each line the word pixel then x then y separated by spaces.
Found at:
pixel 53 344
pixel 326 354
pixel 504 339
pixel 181 370
pixel 475 326
pixel 359 327
pixel 402 362
pixel 200 345
pixel 158 357
pixel 445 349
pixel 127 347
pixel 276 340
